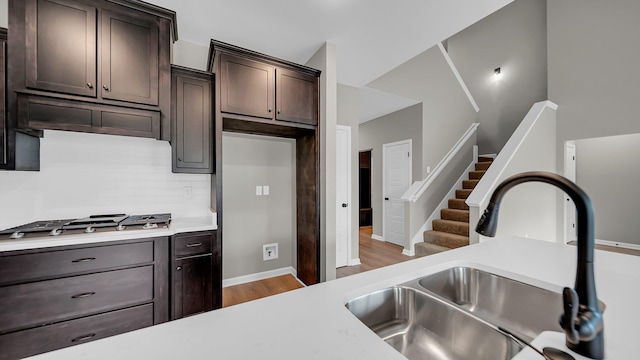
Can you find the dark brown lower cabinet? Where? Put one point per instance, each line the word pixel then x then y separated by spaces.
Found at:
pixel 195 274
pixel 57 297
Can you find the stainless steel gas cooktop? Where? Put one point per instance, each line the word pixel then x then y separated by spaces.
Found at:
pixel 91 224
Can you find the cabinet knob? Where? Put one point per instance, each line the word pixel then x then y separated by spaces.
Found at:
pixel 278 111
pixel 270 110
pixel 179 159
pixel 105 87
pixel 179 268
pixel 90 85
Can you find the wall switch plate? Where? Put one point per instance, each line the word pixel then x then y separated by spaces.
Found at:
pixel 187 192
pixel 265 190
pixel 259 190
pixel 428 169
pixel 269 251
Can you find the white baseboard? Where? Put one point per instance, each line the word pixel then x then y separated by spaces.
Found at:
pixel 418 237
pixel 408 252
pixel 353 262
pixel 377 237
pixel 260 276
pixel 618 244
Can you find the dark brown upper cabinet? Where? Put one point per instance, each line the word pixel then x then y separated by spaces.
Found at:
pixel 61 47
pixel 18 151
pixel 260 88
pixel 129 58
pixel 105 57
pixel 297 97
pixel 191 121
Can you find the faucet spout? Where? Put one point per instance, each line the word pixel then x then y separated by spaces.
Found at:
pixel 582 318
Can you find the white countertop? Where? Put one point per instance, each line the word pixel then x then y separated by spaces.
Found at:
pixel 312 323
pixel 177 226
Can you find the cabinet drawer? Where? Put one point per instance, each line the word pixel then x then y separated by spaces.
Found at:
pixel 188 245
pixel 43 302
pixel 19 268
pixel 51 337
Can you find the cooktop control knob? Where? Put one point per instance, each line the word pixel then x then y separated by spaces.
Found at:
pixel 17 235
pixel 55 232
pixel 120 227
pixel 150 226
pixel 89 230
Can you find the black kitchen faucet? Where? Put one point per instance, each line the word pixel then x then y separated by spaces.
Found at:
pixel 582 319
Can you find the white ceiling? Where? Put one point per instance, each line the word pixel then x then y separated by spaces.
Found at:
pixel 371 36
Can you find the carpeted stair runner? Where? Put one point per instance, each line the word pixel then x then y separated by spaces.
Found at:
pixel 452 229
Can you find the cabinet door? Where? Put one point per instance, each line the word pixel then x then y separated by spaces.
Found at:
pixel 246 87
pixel 129 45
pixel 60 51
pixel 192 286
pixel 192 143
pixel 297 97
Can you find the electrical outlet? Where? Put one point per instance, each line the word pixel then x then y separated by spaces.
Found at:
pixel 265 190
pixel 187 192
pixel 269 251
pixel 259 190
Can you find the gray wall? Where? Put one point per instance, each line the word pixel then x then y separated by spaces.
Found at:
pixel 325 60
pixel 607 169
pixel 250 220
pixel 513 38
pixel 348 109
pixel 400 125
pixel 594 54
pixel 446 113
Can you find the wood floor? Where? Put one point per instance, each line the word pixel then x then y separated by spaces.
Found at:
pixel 237 294
pixel 373 254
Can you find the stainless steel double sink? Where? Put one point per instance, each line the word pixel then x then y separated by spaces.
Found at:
pixel 459 313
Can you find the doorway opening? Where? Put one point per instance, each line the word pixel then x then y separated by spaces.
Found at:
pixel 366 213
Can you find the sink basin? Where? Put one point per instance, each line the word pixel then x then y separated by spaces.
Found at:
pixel 523 309
pixel 421 326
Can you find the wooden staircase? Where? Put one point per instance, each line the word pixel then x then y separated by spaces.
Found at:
pixel 452 229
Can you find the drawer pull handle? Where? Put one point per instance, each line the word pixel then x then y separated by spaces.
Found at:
pixel 193 245
pixel 83 295
pixel 83 337
pixel 83 260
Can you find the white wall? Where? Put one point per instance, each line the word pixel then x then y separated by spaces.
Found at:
pixel 325 60
pixel 251 221
pixel 608 169
pixel 400 125
pixel 348 109
pixel 513 38
pixel 84 174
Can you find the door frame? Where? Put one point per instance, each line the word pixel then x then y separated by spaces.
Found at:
pixel 569 173
pixel 346 129
pixel 384 176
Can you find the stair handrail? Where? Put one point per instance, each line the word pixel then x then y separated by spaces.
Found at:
pixel 419 187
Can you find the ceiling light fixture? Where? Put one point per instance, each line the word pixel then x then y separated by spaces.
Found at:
pixel 497 74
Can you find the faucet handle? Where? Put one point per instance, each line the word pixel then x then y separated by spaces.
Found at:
pixel 568 319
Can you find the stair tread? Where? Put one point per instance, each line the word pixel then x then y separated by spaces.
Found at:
pixel 455 214
pixel 485 159
pixel 458 204
pixel 425 249
pixel 451 227
pixel 483 165
pixel 476 174
pixel 440 238
pixel 463 193
pixel 469 184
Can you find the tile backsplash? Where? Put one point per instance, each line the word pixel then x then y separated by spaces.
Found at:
pixel 84 174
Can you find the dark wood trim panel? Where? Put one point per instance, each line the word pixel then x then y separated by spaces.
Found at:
pixel 146 7
pixel 216 47
pixel 307 152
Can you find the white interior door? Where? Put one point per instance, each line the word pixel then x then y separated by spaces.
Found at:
pixel 343 195
pixel 396 179
pixel 570 208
